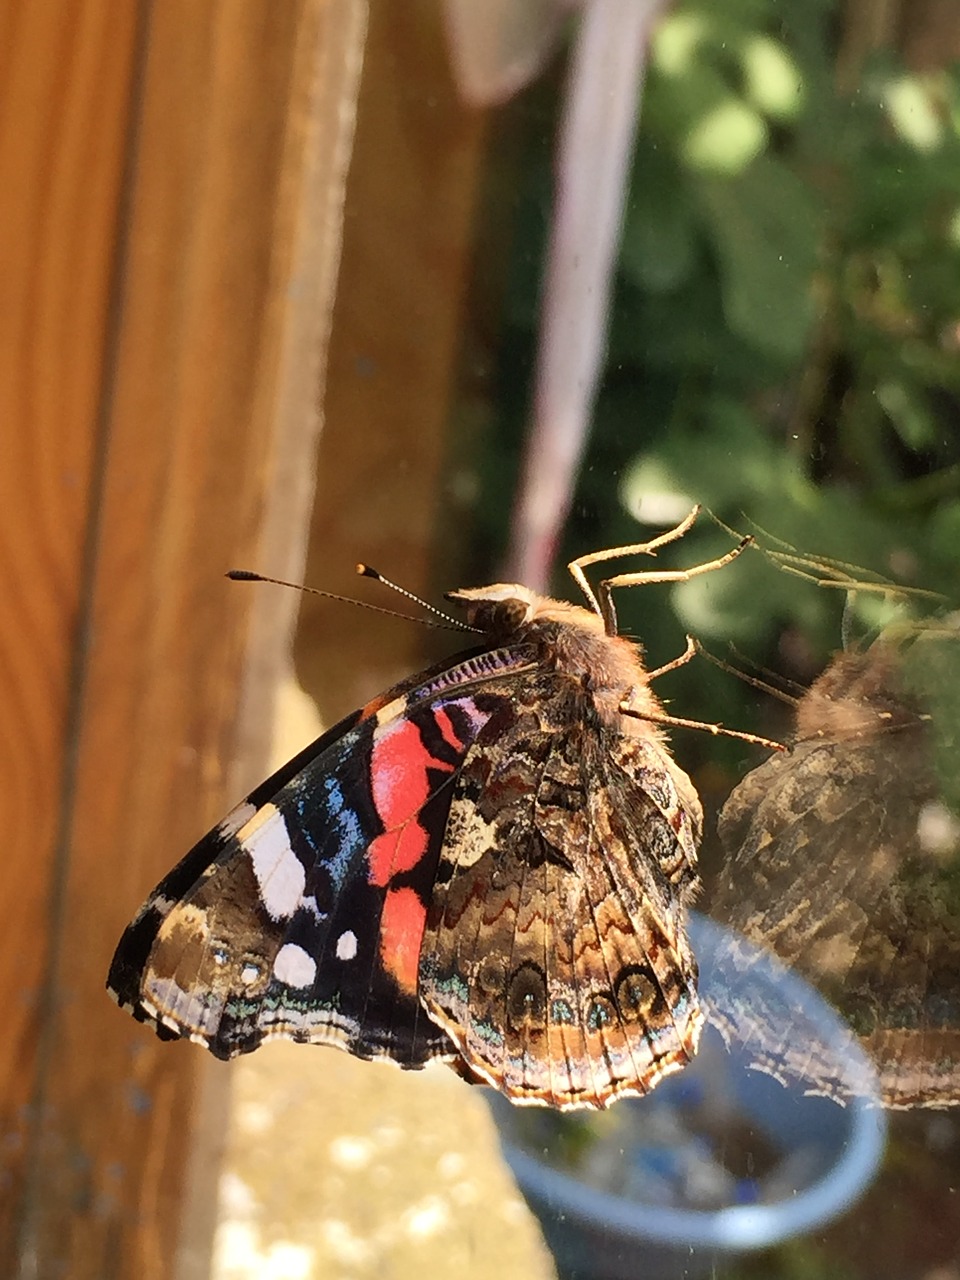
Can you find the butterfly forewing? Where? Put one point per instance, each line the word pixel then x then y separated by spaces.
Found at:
pixel 127 968
pixel 301 914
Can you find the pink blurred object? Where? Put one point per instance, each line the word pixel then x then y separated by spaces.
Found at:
pixel 593 161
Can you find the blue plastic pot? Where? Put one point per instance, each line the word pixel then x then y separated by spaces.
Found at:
pixel 818 1156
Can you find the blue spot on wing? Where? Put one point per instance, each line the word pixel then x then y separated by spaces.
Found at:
pixel 349 829
pixel 333 820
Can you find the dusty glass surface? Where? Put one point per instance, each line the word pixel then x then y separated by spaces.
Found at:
pixel 708 254
pixel 780 345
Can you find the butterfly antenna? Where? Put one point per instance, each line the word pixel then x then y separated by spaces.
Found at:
pixel 365 571
pixel 247 575
pixel 825 571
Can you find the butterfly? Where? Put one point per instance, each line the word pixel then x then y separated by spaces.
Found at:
pixel 843 859
pixel 489 864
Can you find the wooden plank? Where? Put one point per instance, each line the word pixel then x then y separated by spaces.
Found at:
pixel 67 76
pixel 223 288
pixel 328 61
pixel 394 353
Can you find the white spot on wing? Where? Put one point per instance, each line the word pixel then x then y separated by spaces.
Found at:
pixel 347 945
pixel 279 871
pixel 310 904
pixel 294 966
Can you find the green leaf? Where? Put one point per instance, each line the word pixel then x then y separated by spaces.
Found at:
pixel 913 113
pixel 766 228
pixel 726 138
pixel 909 414
pixel 774 82
pixel 657 249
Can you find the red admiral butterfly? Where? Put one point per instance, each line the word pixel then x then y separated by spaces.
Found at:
pixel 489 864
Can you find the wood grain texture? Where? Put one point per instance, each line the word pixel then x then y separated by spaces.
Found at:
pixel 64 113
pixel 394 355
pixel 166 300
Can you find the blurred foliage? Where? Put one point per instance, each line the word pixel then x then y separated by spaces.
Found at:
pixel 785 332
pixel 784 347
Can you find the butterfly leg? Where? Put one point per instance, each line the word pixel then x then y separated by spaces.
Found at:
pixel 660 717
pixel 576 567
pixel 690 652
pixel 678 722
pixel 647 576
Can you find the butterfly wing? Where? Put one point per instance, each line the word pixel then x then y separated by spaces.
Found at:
pixel 812 844
pixel 555 953
pixel 827 867
pixel 301 914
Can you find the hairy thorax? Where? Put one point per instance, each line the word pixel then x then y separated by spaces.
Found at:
pixel 572 641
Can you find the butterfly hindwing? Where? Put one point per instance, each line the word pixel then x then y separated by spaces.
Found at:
pixel 831 866
pixel 301 914
pixel 554 955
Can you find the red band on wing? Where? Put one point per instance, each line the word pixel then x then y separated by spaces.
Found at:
pixel 401 933
pixel 445 725
pixel 395 851
pixel 401 787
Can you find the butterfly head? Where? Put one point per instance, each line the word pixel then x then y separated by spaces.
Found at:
pixel 507 609
pixel 500 611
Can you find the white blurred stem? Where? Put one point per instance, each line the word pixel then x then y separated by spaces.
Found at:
pixel 593 161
